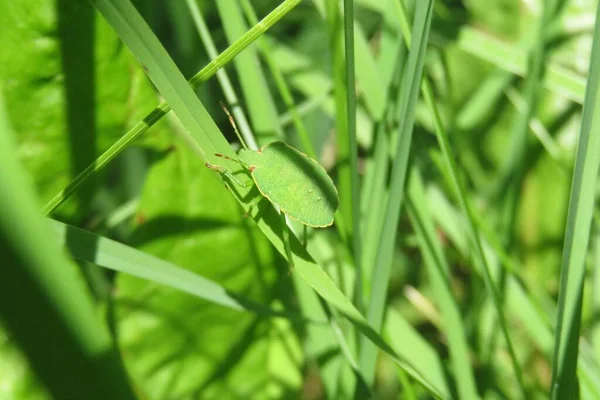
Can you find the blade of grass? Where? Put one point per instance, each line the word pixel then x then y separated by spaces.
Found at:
pixel 259 102
pixel 452 171
pixel 477 107
pixel 338 78
pixel 439 274
pixel 538 129
pixel 168 79
pixel 162 109
pixel 311 82
pixel 87 246
pixel 513 171
pixel 43 300
pixel 375 190
pixel 225 83
pixel 282 86
pixel 534 316
pixel 352 150
pixel 411 344
pixel 508 56
pixel 579 219
pixel 382 268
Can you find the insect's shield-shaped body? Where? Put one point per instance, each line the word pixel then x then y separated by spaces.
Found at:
pixel 294 182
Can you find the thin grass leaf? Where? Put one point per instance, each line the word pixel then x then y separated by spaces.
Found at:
pixel 534 316
pixel 439 274
pixel 222 76
pixel 579 219
pixel 352 151
pixel 162 109
pixel 513 171
pixel 168 79
pixel 282 86
pixel 374 191
pixel 44 303
pixel 408 342
pixel 338 77
pixel 383 263
pixel 258 99
pixel 87 246
pixel 507 56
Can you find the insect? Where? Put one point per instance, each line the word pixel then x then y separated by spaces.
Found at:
pixel 289 179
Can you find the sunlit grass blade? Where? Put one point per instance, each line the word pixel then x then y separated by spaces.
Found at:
pixel 381 272
pixel 451 171
pixel 258 99
pixel 169 81
pixel 44 303
pixel 352 150
pixel 439 275
pixel 410 344
pixel 335 30
pixel 282 86
pixel 226 85
pixel 508 56
pixel 162 109
pixel 579 219
pixel 87 246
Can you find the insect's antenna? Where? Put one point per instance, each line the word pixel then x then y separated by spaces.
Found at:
pixel 232 122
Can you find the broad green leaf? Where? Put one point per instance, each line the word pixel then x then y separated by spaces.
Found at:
pixel 71 89
pixel 176 345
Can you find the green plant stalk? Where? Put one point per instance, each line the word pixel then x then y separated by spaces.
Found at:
pixel 162 109
pixel 579 219
pixel 339 92
pixel 44 303
pixel 352 150
pixel 449 160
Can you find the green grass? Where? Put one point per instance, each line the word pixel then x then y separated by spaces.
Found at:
pixel 461 141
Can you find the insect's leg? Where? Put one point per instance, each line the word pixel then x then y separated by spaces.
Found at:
pixel 286 241
pixel 224 171
pixel 305 239
pixel 232 122
pixel 232 159
pixel 252 204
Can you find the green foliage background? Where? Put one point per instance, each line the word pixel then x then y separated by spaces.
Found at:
pixel 482 237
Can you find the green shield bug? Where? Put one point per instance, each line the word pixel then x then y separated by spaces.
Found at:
pixel 298 185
